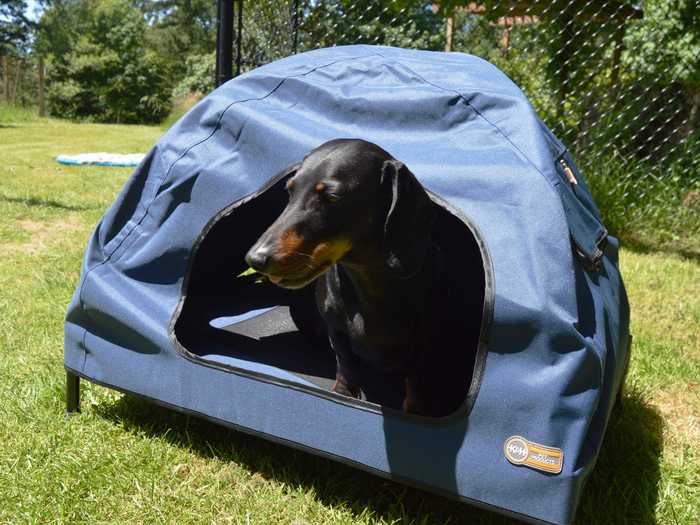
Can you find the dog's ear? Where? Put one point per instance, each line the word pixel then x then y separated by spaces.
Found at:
pixel 408 221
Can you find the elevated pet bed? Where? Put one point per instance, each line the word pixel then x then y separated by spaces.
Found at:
pixel 538 310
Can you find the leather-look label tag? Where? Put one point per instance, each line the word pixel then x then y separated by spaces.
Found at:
pixel 520 451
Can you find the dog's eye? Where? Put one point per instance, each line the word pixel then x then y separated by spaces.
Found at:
pixel 326 192
pixel 331 197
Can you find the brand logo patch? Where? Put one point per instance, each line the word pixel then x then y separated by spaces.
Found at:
pixel 520 451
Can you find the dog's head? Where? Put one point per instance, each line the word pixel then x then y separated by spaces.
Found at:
pixel 348 200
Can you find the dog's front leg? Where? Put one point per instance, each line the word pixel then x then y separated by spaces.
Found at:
pixel 345 382
pixel 415 401
pixel 345 387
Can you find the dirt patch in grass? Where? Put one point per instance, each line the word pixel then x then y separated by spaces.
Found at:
pixel 43 234
pixel 680 409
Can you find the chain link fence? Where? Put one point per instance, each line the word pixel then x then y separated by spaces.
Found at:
pixel 618 82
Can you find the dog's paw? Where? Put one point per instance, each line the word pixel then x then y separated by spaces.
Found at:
pixel 346 390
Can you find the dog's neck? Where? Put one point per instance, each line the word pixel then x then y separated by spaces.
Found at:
pixel 376 287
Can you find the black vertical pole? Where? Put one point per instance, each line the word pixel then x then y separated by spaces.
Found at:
pixel 218 37
pixel 224 42
pixel 295 26
pixel 239 38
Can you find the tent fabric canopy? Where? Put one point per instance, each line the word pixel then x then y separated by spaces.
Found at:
pixel 554 334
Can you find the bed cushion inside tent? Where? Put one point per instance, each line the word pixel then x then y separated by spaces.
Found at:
pixel 249 326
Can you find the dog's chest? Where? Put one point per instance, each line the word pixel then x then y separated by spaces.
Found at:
pixel 382 334
pixel 385 345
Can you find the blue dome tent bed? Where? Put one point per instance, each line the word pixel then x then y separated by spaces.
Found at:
pixel 162 312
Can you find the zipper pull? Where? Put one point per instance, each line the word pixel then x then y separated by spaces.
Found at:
pixel 568 172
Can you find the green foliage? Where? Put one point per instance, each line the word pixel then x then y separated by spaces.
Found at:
pixel 408 23
pixel 102 69
pixel 10 115
pixel 181 32
pixel 665 44
pixel 199 75
pixel 181 105
pixel 643 200
pixel 14 26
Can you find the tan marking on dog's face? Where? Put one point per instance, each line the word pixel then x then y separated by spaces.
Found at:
pixel 290 243
pixel 330 251
pixel 289 184
pixel 320 186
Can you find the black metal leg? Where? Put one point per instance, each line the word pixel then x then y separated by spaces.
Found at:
pixel 72 393
pixel 619 399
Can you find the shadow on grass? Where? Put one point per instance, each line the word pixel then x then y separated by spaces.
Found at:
pixel 645 247
pixel 622 489
pixel 624 486
pixel 44 203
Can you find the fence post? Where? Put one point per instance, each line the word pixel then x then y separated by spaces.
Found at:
pixel 449 31
pixel 40 88
pixel 224 42
pixel 295 26
pixel 239 37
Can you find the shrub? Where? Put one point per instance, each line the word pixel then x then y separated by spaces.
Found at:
pixel 199 75
pixel 107 73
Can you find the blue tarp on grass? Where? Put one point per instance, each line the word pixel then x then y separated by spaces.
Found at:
pixel 102 159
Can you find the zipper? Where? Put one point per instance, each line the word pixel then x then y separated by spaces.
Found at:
pixel 568 171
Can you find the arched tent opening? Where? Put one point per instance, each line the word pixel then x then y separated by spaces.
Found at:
pixel 244 324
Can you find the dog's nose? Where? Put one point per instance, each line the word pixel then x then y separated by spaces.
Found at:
pixel 258 259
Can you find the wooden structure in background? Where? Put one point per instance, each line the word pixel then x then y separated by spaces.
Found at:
pixel 531 11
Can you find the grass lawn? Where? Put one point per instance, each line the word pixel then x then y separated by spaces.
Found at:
pixel 123 460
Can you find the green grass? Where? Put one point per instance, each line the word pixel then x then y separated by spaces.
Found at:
pixel 14 114
pixel 126 461
pixel 657 205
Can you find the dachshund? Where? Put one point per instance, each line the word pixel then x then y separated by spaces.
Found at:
pixel 360 224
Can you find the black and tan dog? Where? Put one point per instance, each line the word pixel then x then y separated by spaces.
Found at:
pixel 359 223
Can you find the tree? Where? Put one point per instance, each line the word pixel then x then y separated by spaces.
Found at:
pixel 15 38
pixel 100 66
pixel 15 28
pixel 665 46
pixel 179 29
pixel 403 23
